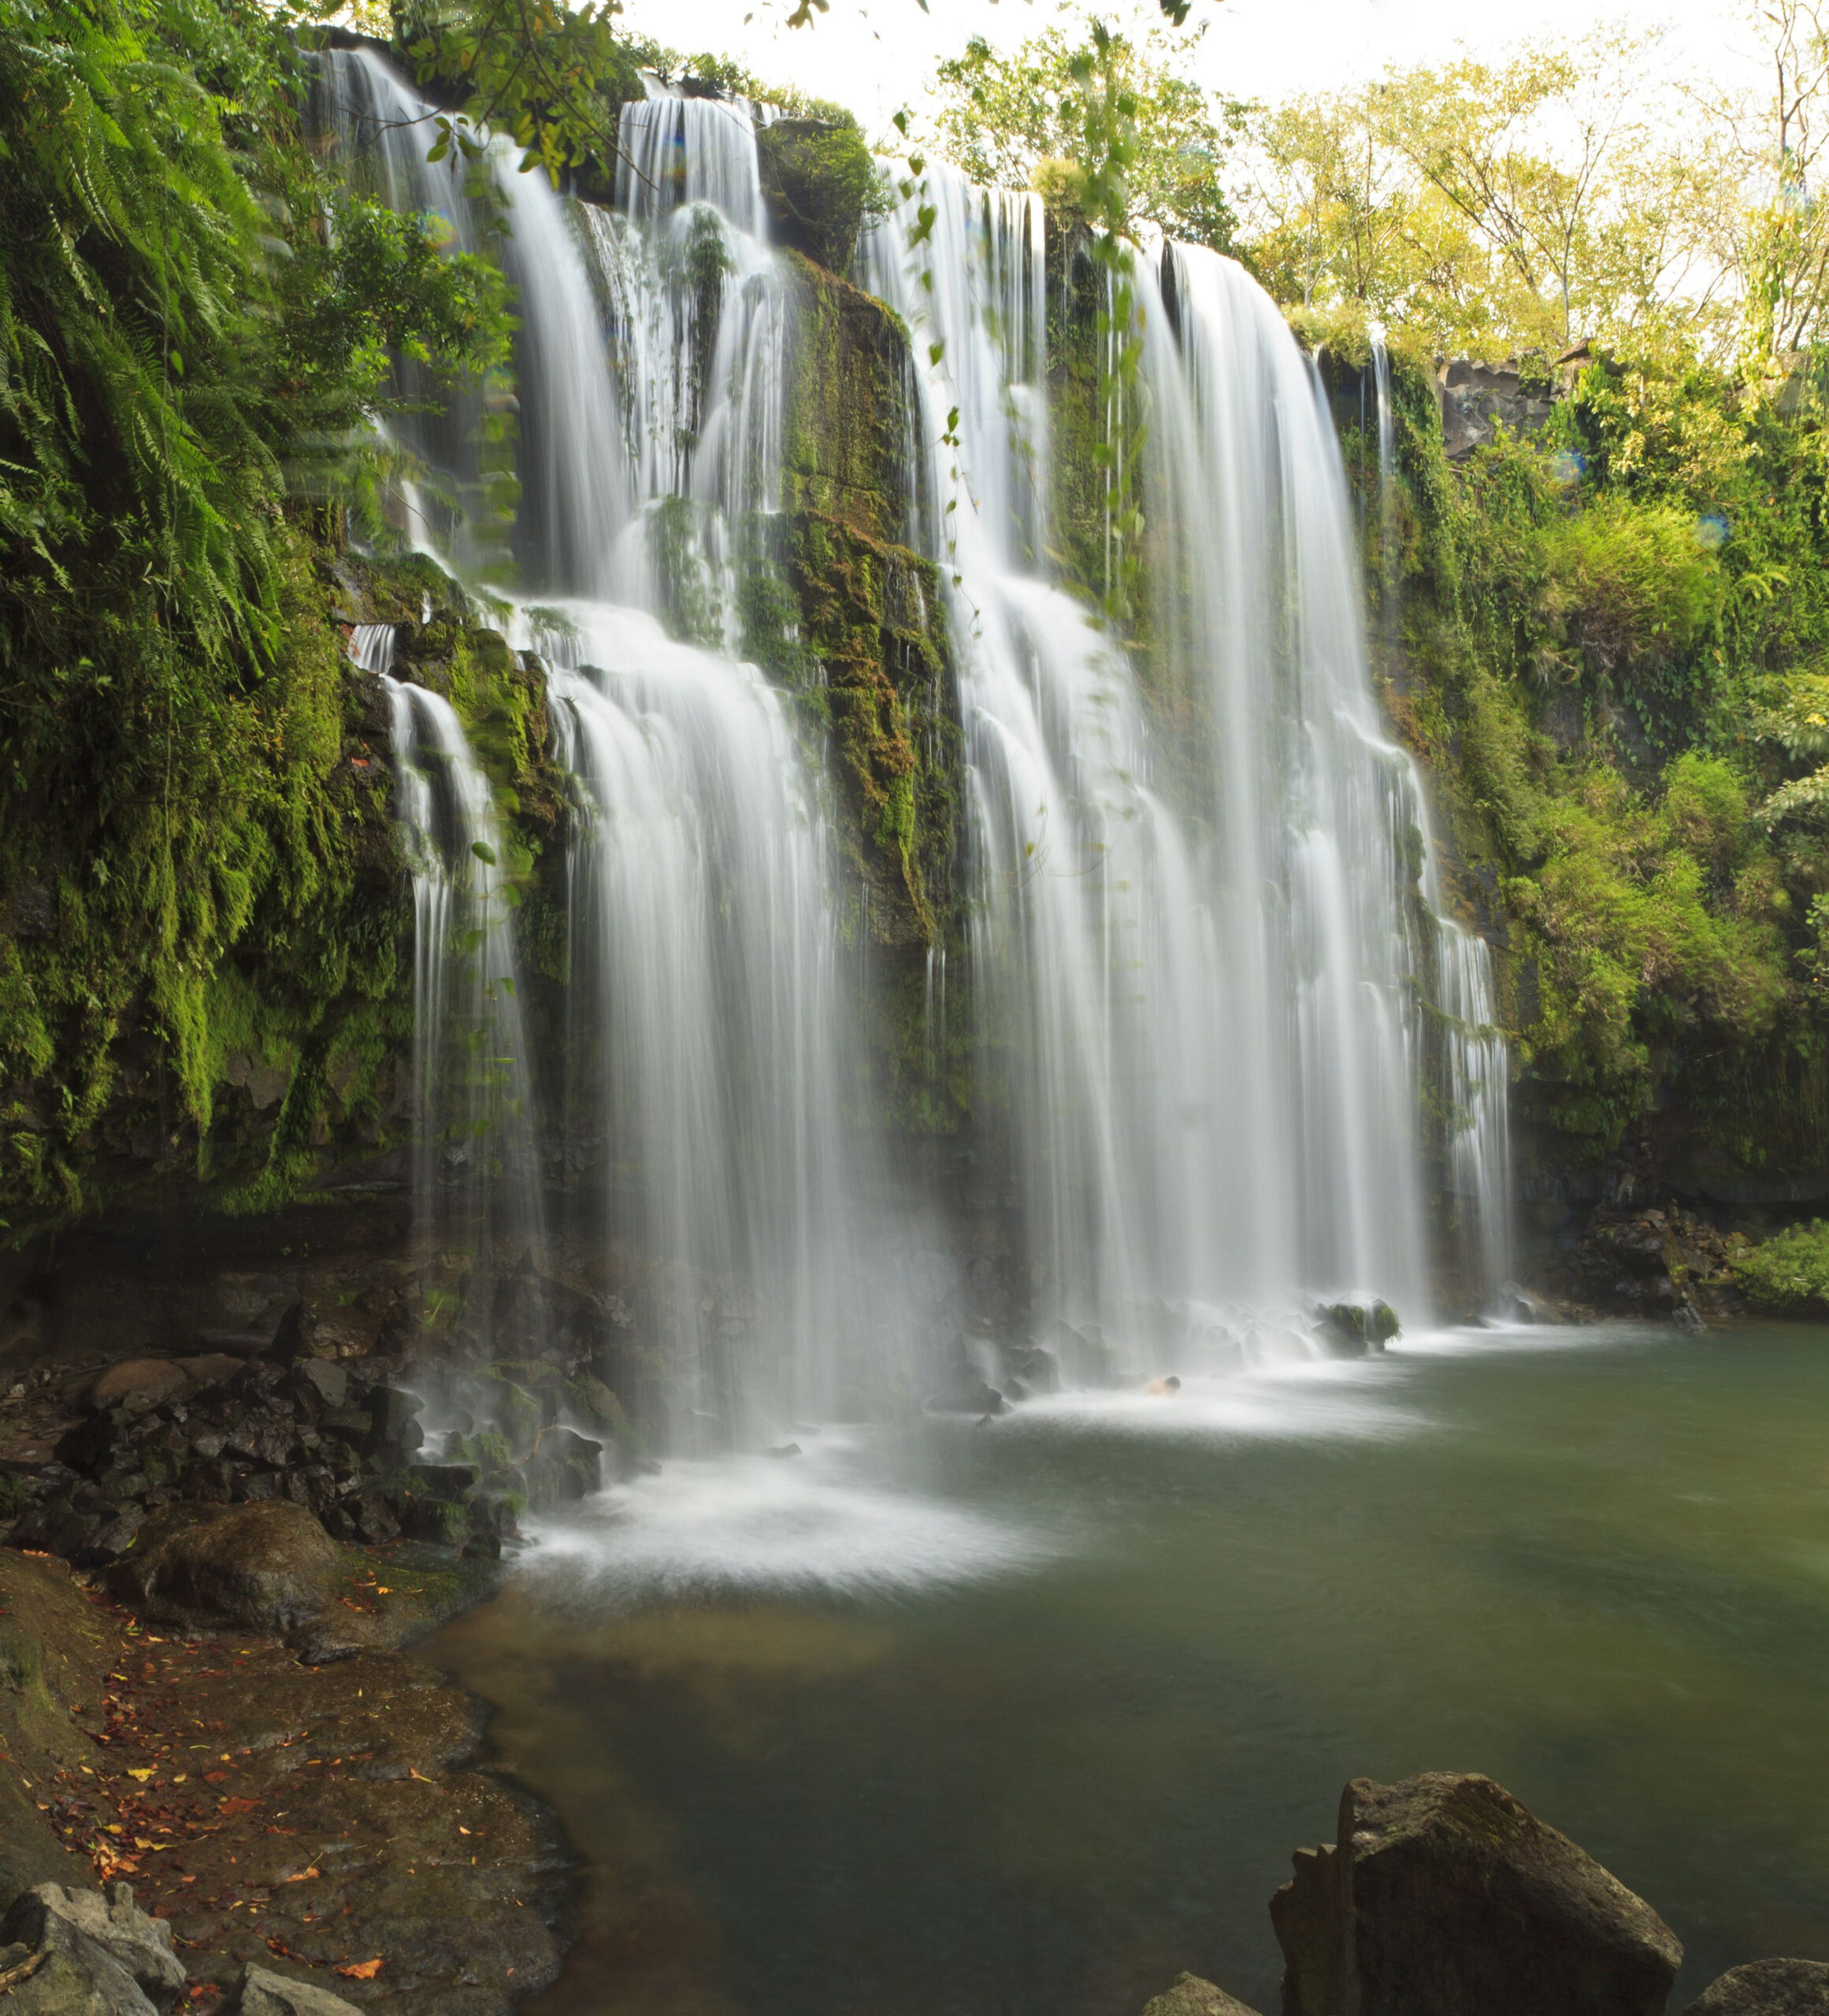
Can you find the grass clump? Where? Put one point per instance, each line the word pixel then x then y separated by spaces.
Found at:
pixel 1789 1275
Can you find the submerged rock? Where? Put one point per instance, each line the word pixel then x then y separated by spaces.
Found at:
pixel 1767 1987
pixel 1446 1897
pixel 1191 1996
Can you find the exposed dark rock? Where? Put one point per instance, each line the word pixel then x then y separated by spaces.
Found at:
pixel 137 1382
pixel 96 1954
pixel 1767 1987
pixel 266 1568
pixel 1475 399
pixel 264 1993
pixel 968 1396
pixel 1360 1326
pixel 1191 1996
pixel 1445 1896
pixel 1662 1261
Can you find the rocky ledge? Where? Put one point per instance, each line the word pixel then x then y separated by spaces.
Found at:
pixel 300 1838
pixel 269 1421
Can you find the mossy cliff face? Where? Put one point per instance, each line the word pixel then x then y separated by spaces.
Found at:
pixel 277 1065
pixel 1588 671
pixel 845 435
pixel 854 621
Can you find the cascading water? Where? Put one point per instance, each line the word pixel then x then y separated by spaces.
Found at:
pixel 1211 962
pixel 1217 1050
pixel 476 1166
pixel 1474 1067
pixel 707 1049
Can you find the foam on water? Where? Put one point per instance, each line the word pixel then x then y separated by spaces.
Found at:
pixel 1318 1400
pixel 760 1525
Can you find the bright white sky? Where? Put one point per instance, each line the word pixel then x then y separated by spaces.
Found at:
pixel 874 55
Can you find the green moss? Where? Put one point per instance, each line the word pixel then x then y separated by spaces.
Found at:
pixel 845 419
pixel 872 630
pixel 821 184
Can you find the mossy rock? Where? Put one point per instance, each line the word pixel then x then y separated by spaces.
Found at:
pixel 819 182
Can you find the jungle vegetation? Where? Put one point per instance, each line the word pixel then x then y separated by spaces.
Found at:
pixel 1615 631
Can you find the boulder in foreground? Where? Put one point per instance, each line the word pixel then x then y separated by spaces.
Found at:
pixel 1191 1996
pixel 263 1993
pixel 1767 1987
pixel 74 1952
pixel 1446 1897
pixel 264 1567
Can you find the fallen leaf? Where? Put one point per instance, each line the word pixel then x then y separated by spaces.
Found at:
pixel 360 1970
pixel 214 1777
pixel 305 1876
pixel 231 1807
pixel 143 1774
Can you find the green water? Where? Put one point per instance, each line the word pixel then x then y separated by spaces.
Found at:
pixel 1026 1718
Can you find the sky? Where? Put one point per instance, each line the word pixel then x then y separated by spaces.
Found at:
pixel 876 55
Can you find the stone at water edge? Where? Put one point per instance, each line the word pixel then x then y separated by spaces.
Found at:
pixel 266 1565
pixel 1191 1996
pixel 1446 1897
pixel 263 1993
pixel 1767 1987
pixel 89 1955
pixel 1360 1326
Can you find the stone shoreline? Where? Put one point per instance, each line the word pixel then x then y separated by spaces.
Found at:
pixel 333 1824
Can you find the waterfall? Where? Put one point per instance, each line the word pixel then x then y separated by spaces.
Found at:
pixel 476 1166
pixel 708 1050
pixel 1206 950
pixel 1217 1067
pixel 1473 1066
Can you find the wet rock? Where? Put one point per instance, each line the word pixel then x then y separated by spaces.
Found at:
pixel 99 1955
pixel 137 1382
pixel 266 1567
pixel 1191 1996
pixel 1359 1326
pixel 563 1467
pixel 452 1482
pixel 1767 1987
pixel 1663 1261
pixel 320 1383
pixel 393 1419
pixel 263 1993
pixel 1034 1365
pixel 1446 1896
pixel 968 1397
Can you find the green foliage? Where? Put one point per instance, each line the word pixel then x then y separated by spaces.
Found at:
pixel 1788 1274
pixel 551 76
pixel 1616 638
pixel 821 185
pixel 1019 121
pixel 192 326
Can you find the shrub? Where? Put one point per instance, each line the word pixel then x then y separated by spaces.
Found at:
pixel 1789 1274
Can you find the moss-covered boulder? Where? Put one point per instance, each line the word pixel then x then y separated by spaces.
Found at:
pixel 820 182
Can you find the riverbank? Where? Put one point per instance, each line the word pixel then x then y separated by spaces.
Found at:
pixel 333 1824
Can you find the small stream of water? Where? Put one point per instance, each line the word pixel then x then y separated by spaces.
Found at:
pixel 1026 1718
